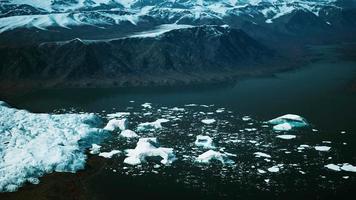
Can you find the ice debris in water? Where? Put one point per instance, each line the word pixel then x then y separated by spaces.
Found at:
pixel 204 141
pixel 210 155
pixel 208 121
pixel 36 144
pixel 128 134
pixel 288 122
pixel 273 169
pixel 95 149
pixel 345 167
pixel 115 124
pixel 149 147
pixel 322 148
pixel 151 125
pixel 147 105
pixel 109 154
pixel 286 137
pixel 260 154
pixel 117 115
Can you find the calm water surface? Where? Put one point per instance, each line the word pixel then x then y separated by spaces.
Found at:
pixel 319 92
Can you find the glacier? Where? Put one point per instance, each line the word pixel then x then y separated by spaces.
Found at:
pixel 33 145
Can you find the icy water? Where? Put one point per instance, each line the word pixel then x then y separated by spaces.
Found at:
pixel 291 169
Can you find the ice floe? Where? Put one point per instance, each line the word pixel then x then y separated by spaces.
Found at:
pixel 151 125
pixel 128 134
pixel 322 148
pixel 115 124
pixel 210 155
pixel 109 154
pixel 36 144
pixel 118 115
pixel 261 154
pixel 288 122
pixel 273 169
pixel 286 137
pixel 149 147
pixel 208 121
pixel 344 167
pixel 204 141
pixel 95 149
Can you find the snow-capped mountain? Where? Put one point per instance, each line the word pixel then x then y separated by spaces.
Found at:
pixel 43 14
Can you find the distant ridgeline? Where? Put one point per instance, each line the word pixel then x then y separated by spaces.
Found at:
pixel 144 42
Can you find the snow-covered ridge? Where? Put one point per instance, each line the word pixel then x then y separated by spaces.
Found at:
pixel 66 14
pixel 32 145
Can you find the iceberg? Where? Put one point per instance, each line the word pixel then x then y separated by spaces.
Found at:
pixel 128 134
pixel 286 137
pixel 322 148
pixel 149 147
pixel 204 141
pixel 273 169
pixel 109 154
pixel 152 125
pixel 115 124
pixel 117 115
pixel 210 155
pixel 344 167
pixel 288 122
pixel 260 154
pixel 95 149
pixel 208 121
pixel 36 144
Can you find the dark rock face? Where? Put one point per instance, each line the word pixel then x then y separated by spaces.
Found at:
pixel 182 51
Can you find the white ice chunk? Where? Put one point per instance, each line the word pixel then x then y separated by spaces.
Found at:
pixel 36 144
pixel 148 147
pixel 95 149
pixel 109 154
pixel 115 124
pixel 322 148
pixel 147 105
pixel 152 125
pixel 288 122
pixel 273 169
pixel 208 121
pixel 118 115
pixel 204 141
pixel 333 167
pixel 261 154
pixel 128 134
pixel 348 167
pixel 210 155
pixel 286 137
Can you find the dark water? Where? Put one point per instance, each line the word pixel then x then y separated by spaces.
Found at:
pixel 319 92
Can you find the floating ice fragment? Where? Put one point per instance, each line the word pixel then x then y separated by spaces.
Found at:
pixel 128 134
pixel 261 171
pixel 109 154
pixel 115 124
pixel 148 147
pixel 210 155
pixel 204 141
pixel 117 115
pixel 286 137
pixel 151 125
pixel 273 169
pixel 36 144
pixel 288 122
pixel 348 167
pixel 333 167
pixel 260 154
pixel 322 148
pixel 147 105
pixel 282 127
pixel 95 149
pixel 208 121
